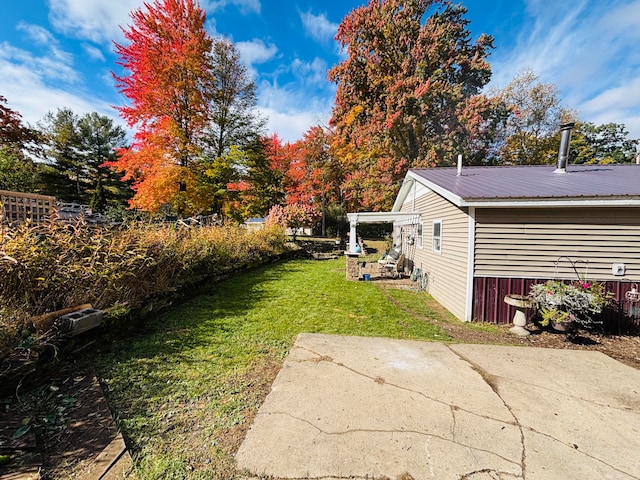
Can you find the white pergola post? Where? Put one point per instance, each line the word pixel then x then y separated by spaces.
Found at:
pixel 397 218
pixel 353 235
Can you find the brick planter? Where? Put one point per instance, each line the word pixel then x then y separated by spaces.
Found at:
pixel 353 267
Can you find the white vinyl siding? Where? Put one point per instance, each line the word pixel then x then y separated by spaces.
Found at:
pixel 528 243
pixel 447 270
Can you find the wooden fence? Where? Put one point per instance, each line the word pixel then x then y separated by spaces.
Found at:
pixel 18 207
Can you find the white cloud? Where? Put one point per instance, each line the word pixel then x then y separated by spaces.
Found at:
pixel 588 50
pixel 256 51
pixel 623 20
pixel 313 73
pixel 93 52
pixel 618 104
pixel 28 93
pixel 290 126
pixel 53 65
pixel 617 98
pixel 36 33
pixel 96 20
pixel 36 83
pixel 42 37
pixel 291 110
pixel 318 27
pixel 100 20
pixel 245 6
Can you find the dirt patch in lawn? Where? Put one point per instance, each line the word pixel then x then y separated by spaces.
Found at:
pixel 624 348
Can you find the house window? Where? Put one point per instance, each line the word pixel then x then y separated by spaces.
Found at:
pixel 437 236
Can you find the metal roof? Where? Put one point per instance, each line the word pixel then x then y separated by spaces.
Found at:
pixel 532 185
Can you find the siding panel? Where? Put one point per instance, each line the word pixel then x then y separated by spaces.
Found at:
pixel 529 243
pixel 448 270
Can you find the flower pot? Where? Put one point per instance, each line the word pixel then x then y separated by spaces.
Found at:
pixel 562 326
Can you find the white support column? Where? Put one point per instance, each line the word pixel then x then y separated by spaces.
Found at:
pixel 353 236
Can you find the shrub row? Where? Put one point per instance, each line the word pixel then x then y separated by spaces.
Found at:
pixel 48 267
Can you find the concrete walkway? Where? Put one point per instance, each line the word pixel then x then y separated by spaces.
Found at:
pixel 369 408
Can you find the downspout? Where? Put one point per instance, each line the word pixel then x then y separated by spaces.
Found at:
pixel 471 253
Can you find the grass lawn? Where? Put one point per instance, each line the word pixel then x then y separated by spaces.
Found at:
pixel 185 390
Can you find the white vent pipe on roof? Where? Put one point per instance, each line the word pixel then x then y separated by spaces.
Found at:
pixel 563 152
pixel 459 164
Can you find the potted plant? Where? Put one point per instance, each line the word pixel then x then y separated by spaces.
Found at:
pixel 564 304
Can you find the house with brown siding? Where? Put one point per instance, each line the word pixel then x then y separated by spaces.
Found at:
pixel 484 232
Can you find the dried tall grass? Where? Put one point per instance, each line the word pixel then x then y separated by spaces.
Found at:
pixel 52 266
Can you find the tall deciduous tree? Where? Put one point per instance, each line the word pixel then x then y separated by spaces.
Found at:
pixel 409 92
pixel 607 143
pixel 262 185
pixel 530 134
pixel 316 173
pixel 170 86
pixel 234 120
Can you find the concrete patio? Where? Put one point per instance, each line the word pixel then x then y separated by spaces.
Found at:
pixel 352 407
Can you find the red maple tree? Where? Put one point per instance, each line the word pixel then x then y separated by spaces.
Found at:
pixel 168 59
pixel 13 133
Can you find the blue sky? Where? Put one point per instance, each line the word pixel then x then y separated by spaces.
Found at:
pixel 58 53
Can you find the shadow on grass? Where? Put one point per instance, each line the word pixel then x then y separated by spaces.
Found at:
pixel 208 312
pixel 190 375
pixel 196 350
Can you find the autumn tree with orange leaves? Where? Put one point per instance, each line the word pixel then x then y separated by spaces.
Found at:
pixel 408 94
pixel 315 176
pixel 169 85
pixel 299 177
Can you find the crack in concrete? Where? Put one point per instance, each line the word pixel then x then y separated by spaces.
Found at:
pixel 326 477
pixel 582 452
pixel 404 476
pixel 378 379
pixel 564 394
pixel 453 409
pixel 414 432
pixel 490 471
pixel 490 380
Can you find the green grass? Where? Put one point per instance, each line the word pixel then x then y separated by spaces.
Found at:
pixel 184 391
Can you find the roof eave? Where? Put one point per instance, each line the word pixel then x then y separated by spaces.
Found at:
pixel 407 185
pixel 549 202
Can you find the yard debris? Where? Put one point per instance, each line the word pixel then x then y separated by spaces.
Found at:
pixel 44 323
